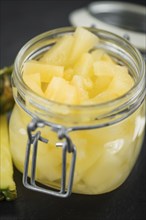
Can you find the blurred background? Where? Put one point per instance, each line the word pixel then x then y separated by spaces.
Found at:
pixel 22 20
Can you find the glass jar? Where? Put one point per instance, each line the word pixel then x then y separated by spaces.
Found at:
pixel 91 149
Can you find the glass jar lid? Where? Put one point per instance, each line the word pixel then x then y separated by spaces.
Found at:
pixel 124 19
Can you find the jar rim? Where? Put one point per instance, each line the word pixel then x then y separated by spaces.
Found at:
pixel 119 102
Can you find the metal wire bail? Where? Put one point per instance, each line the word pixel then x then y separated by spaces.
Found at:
pixel 67 147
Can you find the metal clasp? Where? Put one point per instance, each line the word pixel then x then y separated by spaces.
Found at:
pixel 67 147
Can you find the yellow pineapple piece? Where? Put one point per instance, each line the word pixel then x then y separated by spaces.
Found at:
pixel 104 96
pixel 81 81
pixel 87 150
pixel 101 83
pixel 84 65
pixel 121 81
pixel 84 41
pixel 78 82
pixel 107 58
pixel 97 54
pixel 105 174
pixel 34 77
pixel 59 53
pixel 33 81
pixel 102 68
pixel 117 87
pixel 60 90
pixel 121 84
pixel 46 71
pixel 50 159
pixel 101 55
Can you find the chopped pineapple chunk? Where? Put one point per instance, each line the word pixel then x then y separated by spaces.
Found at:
pixel 101 55
pixel 109 69
pixel 121 84
pixel 34 82
pixel 84 41
pixel 59 53
pixel 61 91
pixel 46 71
pixel 84 65
pixel 100 85
pixel 78 82
pixel 103 181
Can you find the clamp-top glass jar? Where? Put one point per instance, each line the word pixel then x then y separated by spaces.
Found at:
pixel 88 149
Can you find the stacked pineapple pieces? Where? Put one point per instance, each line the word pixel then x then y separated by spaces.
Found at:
pixel 74 72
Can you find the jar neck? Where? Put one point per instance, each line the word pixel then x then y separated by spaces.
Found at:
pixel 67 115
